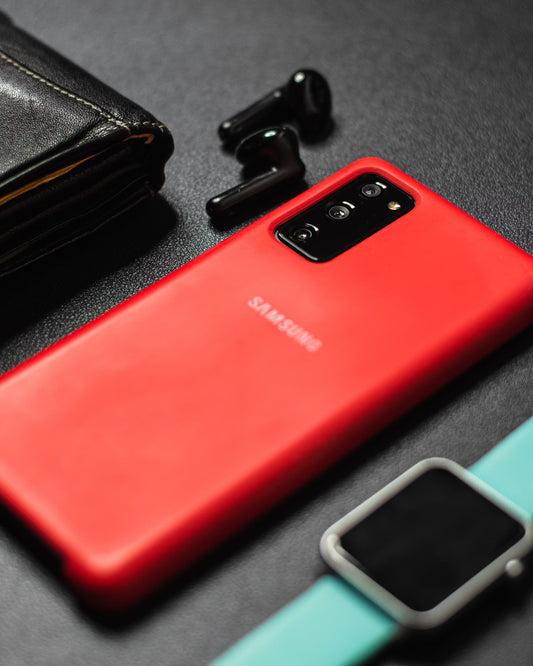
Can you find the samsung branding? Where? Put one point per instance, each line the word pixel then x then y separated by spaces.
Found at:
pixel 285 325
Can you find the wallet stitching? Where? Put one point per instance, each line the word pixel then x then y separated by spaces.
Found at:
pixel 105 115
pixel 150 123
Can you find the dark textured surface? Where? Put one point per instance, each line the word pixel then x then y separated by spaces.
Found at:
pixel 442 90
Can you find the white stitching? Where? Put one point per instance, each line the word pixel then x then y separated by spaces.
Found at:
pixel 150 123
pixel 115 121
pixel 33 75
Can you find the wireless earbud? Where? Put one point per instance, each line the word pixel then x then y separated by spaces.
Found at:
pixel 306 98
pixel 272 155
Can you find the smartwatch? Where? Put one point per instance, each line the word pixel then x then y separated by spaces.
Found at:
pixel 409 558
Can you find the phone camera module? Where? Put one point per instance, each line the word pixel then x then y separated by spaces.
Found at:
pixel 303 233
pixel 371 190
pixel 338 212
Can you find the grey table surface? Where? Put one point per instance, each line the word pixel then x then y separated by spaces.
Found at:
pixel 444 91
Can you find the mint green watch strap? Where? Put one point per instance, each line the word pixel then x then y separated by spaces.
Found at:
pixel 334 625
pixel 508 468
pixel 330 624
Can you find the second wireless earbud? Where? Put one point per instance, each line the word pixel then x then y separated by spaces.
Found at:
pixel 306 98
pixel 272 155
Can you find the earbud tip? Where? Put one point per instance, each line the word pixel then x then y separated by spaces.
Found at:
pixel 224 132
pixel 212 207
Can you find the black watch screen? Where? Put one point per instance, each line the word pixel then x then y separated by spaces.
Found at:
pixel 430 538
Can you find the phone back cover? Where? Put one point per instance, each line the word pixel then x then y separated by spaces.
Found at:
pixel 143 439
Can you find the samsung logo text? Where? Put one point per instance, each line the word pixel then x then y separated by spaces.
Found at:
pixel 285 325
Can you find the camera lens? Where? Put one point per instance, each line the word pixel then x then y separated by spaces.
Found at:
pixel 302 234
pixel 338 212
pixel 371 190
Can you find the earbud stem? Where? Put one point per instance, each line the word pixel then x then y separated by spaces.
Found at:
pixel 267 111
pixel 239 198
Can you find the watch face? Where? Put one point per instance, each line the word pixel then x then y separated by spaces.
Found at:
pixel 426 544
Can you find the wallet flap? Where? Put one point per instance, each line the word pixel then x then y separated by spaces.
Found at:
pixel 65 133
pixel 40 121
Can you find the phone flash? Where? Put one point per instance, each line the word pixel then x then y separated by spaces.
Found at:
pixel 393 205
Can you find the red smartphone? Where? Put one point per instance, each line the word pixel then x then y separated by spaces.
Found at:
pixel 140 441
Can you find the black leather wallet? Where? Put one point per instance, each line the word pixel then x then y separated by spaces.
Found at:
pixel 74 153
